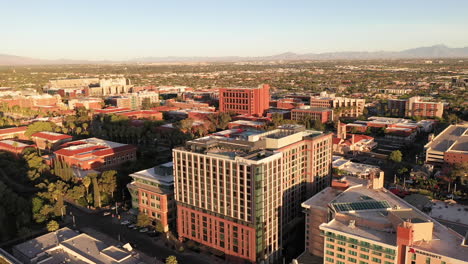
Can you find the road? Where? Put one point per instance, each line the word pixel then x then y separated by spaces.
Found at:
pixel 142 242
pixel 457 227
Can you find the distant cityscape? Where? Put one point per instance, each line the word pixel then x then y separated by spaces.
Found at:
pixel 284 162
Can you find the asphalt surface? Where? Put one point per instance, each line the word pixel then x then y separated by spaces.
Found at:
pixel 140 241
pixel 457 227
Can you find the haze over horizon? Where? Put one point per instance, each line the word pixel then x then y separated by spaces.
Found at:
pixel 120 30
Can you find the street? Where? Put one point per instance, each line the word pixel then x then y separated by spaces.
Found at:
pixel 140 241
pixel 457 227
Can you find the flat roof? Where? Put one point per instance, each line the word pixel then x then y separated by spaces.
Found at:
pixel 454 137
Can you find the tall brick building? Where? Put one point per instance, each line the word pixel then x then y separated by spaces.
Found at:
pixel 152 192
pixel 240 191
pixel 245 101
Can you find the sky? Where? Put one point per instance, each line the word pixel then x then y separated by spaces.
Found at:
pixel 120 30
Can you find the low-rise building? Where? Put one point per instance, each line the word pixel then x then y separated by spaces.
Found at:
pixel 50 140
pixel 88 103
pixel 342 106
pixel 152 192
pixel 323 115
pixel 68 246
pixel 13 132
pixel 95 153
pixel 450 146
pixel 14 146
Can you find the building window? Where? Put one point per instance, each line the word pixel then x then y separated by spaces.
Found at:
pixel 340 256
pixel 328 259
pixel 354 253
pixel 330 253
pixel 353 260
pixel 363 256
pixel 376 260
pixel 330 246
pixel 428 260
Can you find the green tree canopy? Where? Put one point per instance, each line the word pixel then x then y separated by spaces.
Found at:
pixel 52 226
pixel 40 127
pixel 171 260
pixel 396 156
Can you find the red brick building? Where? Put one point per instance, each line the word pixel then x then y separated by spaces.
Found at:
pixel 13 132
pixel 152 192
pixel 248 101
pixel 14 146
pixel 320 114
pixel 43 139
pixel 147 114
pixel 96 154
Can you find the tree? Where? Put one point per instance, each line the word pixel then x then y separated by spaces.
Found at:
pixel 108 182
pixel 159 227
pixel 143 220
pixel 171 260
pixel 96 190
pixel 39 127
pixel 396 156
pixel 52 226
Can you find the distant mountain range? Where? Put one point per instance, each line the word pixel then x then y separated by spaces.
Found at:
pixel 432 52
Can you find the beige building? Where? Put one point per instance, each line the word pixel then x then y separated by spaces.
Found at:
pixel 357 221
pixel 342 106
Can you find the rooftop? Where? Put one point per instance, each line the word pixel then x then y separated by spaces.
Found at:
pixel 374 206
pixel 65 244
pixel 453 138
pixel 161 174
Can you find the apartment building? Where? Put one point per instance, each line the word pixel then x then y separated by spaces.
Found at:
pixel 419 106
pixel 323 115
pixel 152 192
pixel 449 146
pixel 239 191
pixel 95 153
pixel 356 221
pixel 342 106
pixel 242 100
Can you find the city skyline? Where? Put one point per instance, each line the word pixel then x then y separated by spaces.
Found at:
pixel 120 31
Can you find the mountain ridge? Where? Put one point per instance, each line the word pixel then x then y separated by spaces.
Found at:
pixel 427 52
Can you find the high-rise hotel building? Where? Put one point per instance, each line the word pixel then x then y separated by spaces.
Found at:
pixel 240 191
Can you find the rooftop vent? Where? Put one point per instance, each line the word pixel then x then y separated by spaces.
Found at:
pixel 352 223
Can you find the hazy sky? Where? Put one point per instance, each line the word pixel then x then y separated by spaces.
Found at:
pixel 102 29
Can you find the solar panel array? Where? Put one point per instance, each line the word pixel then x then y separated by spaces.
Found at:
pixel 360 206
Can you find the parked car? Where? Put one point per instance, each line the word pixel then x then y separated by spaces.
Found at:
pixel 131 226
pixel 144 230
pixel 125 222
pixel 153 233
pixel 106 213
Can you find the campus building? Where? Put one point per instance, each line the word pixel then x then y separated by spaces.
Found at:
pixel 69 246
pixel 356 221
pixel 248 101
pixel 13 132
pixel 323 115
pixel 50 140
pixel 152 192
pixel 420 107
pixel 95 153
pixel 415 106
pixel 239 191
pixel 450 146
pixel 342 106
pixel 14 146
